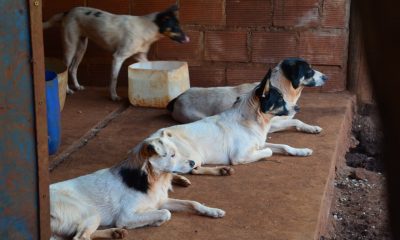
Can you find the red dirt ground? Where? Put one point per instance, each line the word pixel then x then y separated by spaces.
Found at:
pixel 359 209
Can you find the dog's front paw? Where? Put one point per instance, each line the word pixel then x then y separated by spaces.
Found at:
pixel 79 87
pixel 181 181
pixel 268 152
pixel 119 233
pixel 310 129
pixel 116 98
pixel 165 215
pixel 214 212
pixel 226 171
pixel 302 152
pixel 315 129
pixel 70 91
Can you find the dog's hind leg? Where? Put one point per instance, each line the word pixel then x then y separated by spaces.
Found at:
pixel 131 220
pixel 215 171
pixel 79 53
pixel 116 66
pixel 70 44
pixel 252 156
pixel 141 57
pixel 87 227
pixel 176 205
pixel 283 124
pixel 286 149
pixel 111 233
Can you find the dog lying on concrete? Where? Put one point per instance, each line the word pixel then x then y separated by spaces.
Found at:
pixel 235 136
pixel 131 194
pixel 124 35
pixel 290 77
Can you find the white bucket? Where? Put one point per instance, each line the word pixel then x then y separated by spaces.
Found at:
pixel 154 84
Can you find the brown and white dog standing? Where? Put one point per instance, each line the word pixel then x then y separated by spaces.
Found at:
pixel 290 76
pixel 123 35
pixel 131 194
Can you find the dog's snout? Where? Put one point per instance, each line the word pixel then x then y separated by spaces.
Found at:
pixel 324 78
pixel 297 108
pixel 192 163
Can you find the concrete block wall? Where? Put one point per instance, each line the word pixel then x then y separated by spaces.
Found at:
pixel 232 41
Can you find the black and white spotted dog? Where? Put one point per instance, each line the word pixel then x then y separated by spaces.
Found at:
pixel 123 35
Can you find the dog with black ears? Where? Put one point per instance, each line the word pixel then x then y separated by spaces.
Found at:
pixel 235 136
pixel 123 35
pixel 290 76
pixel 131 194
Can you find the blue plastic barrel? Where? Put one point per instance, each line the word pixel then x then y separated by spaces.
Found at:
pixel 53 112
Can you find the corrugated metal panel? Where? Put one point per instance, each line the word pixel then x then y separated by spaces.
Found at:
pixel 19 214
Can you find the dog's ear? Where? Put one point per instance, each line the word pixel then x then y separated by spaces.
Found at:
pixel 147 150
pixel 172 11
pixel 138 156
pixel 172 8
pixel 165 133
pixel 270 100
pixel 263 87
pixel 155 146
pixel 292 68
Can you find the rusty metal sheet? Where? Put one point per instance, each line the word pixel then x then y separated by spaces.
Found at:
pixel 18 151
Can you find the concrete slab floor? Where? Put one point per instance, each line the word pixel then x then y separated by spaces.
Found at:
pixel 283 197
pixel 82 111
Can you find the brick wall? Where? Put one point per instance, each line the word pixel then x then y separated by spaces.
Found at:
pixel 232 41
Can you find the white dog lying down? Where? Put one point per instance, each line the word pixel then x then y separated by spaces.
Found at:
pixel 131 194
pixel 290 77
pixel 235 136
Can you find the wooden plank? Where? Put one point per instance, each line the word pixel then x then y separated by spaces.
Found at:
pixel 35 10
pixel 358 76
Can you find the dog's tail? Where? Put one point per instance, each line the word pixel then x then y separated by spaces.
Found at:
pixel 54 20
pixel 170 106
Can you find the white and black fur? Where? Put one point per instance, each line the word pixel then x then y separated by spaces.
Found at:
pixel 290 74
pixel 235 136
pixel 123 35
pixel 131 194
